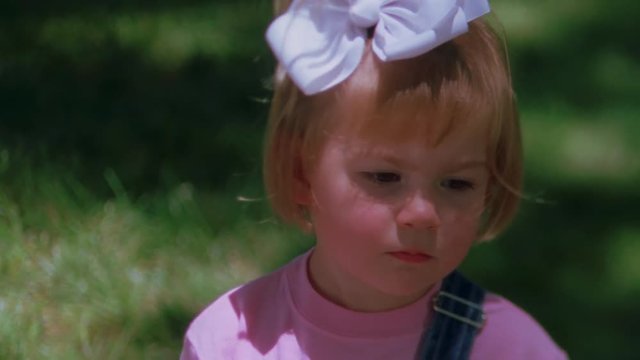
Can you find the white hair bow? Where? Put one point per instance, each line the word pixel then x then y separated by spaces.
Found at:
pixel 320 42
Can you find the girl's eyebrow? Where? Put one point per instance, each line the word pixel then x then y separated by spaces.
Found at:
pixel 382 157
pixel 468 163
pixel 455 165
pixel 395 160
pixel 385 156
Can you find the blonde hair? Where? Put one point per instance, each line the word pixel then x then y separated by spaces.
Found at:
pixel 465 79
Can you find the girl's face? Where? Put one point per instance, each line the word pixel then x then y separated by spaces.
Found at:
pixel 392 219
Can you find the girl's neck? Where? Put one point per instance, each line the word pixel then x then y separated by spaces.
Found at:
pixel 338 287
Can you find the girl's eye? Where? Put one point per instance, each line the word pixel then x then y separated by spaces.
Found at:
pixel 383 177
pixel 457 184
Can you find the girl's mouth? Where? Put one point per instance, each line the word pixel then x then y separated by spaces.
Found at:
pixel 411 257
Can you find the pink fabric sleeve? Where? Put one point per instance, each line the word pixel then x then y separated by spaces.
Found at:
pixel 188 351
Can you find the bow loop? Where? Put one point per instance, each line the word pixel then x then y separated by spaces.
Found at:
pixel 365 13
pixel 414 27
pixel 320 42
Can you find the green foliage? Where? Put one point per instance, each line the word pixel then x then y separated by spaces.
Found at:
pixel 90 278
pixel 130 138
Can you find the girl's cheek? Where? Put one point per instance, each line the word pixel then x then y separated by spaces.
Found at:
pixel 463 213
pixel 470 201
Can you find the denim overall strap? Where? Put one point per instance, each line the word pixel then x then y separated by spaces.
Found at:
pixel 458 315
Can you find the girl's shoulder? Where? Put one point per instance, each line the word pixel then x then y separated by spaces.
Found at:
pixel 511 333
pixel 235 312
pixel 249 298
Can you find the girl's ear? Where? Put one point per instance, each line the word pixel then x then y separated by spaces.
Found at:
pixel 301 187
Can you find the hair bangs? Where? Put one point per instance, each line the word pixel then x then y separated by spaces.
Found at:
pixel 424 98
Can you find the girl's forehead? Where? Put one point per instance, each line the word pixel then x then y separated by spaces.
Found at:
pixel 411 115
pixel 465 140
pixel 404 122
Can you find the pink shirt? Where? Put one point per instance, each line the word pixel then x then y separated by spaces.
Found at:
pixel 281 316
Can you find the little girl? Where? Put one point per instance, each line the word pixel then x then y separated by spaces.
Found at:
pixel 393 137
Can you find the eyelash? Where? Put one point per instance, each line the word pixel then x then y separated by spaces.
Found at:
pixel 389 178
pixel 382 177
pixel 458 184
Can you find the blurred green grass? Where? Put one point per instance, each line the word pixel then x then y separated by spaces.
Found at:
pixel 130 188
pixel 89 278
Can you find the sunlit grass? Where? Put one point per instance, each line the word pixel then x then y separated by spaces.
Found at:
pixel 113 279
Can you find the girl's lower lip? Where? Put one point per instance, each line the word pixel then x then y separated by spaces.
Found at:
pixel 414 258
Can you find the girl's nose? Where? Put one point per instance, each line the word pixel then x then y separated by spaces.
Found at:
pixel 418 212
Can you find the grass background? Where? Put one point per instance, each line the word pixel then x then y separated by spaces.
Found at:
pixel 130 195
